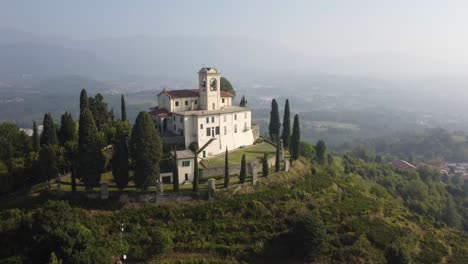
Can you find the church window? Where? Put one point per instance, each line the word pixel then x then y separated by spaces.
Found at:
pixel 175 128
pixel 177 103
pixel 186 176
pixel 186 102
pixel 181 120
pixel 235 116
pixel 186 163
pixel 217 130
pixel 225 130
pixel 235 128
pixel 207 120
pixel 208 131
pixel 196 101
pixel 201 126
pixel 173 118
pixel 223 100
pixel 212 119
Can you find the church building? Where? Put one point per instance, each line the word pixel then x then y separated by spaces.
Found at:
pixel 203 116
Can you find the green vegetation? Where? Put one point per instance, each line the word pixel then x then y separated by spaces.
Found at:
pixel 243 170
pixel 123 109
pixel 295 139
pixel 275 125
pixel 286 133
pixel 227 86
pixel 235 157
pixel 226 169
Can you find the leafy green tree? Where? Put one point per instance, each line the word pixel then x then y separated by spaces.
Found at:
pixel 54 259
pixel 101 114
pixel 277 155
pixel 146 150
pixel 49 135
pixel 397 254
pixel 275 125
pixel 243 102
pixel 265 168
pixel 84 103
pixel 123 109
pixel 226 169
pixel 243 169
pixel 307 150
pixel 67 128
pixel 286 133
pixel 227 86
pixel 149 242
pixel 120 159
pixel 321 151
pixel 35 138
pixel 175 172
pixel 295 139
pixel 450 215
pixel 196 175
pixel 310 238
pixel 48 163
pixel 90 158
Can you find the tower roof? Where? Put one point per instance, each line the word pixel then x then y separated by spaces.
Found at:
pixel 209 70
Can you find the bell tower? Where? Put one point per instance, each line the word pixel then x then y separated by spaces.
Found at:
pixel 209 83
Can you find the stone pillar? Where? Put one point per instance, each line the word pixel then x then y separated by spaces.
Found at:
pixel 211 188
pixel 104 191
pixel 159 188
pixel 281 150
pixel 254 175
pixel 286 165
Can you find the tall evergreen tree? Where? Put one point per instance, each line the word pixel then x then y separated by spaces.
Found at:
pixel 243 102
pixel 286 133
pixel 84 103
pixel 146 150
pixel 49 135
pixel 274 127
pixel 195 174
pixel 277 155
pixel 123 109
pixel 90 157
pixel 265 168
pixel 295 139
pixel 48 163
pixel 35 138
pixel 101 114
pixel 67 128
pixel 243 169
pixel 227 86
pixel 226 169
pixel 120 157
pixel 321 151
pixel 175 172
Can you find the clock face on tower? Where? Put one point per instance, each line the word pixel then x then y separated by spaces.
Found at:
pixel 213 84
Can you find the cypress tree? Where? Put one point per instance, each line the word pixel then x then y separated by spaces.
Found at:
pixel 123 109
pixel 101 114
pixel 226 169
pixel 277 156
pixel 35 138
pixel 274 127
pixel 84 103
pixel 243 102
pixel 49 135
pixel 48 163
pixel 265 169
pixel 195 174
pixel 286 133
pixel 175 172
pixel 90 157
pixel 120 156
pixel 295 139
pixel 243 170
pixel 146 151
pixel 67 128
pixel 321 151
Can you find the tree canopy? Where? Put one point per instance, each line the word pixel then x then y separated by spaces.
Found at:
pixel 275 125
pixel 227 86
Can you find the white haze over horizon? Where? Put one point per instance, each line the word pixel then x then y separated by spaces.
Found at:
pixel 375 38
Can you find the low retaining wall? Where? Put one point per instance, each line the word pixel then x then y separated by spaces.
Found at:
pixel 235 168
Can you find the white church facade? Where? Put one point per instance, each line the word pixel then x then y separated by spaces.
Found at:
pixel 204 116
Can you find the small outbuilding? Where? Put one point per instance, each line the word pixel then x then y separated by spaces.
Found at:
pixel 185 165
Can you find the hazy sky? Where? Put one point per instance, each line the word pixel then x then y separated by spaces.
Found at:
pixel 427 28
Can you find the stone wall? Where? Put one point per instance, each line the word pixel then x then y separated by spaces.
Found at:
pixel 255 131
pixel 235 169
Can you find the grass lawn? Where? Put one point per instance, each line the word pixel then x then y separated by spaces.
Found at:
pixel 251 153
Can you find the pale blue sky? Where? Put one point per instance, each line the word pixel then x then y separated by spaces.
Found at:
pixel 427 28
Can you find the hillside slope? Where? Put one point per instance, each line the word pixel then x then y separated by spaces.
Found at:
pixel 356 221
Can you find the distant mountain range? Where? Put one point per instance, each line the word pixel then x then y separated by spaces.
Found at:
pixel 180 57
